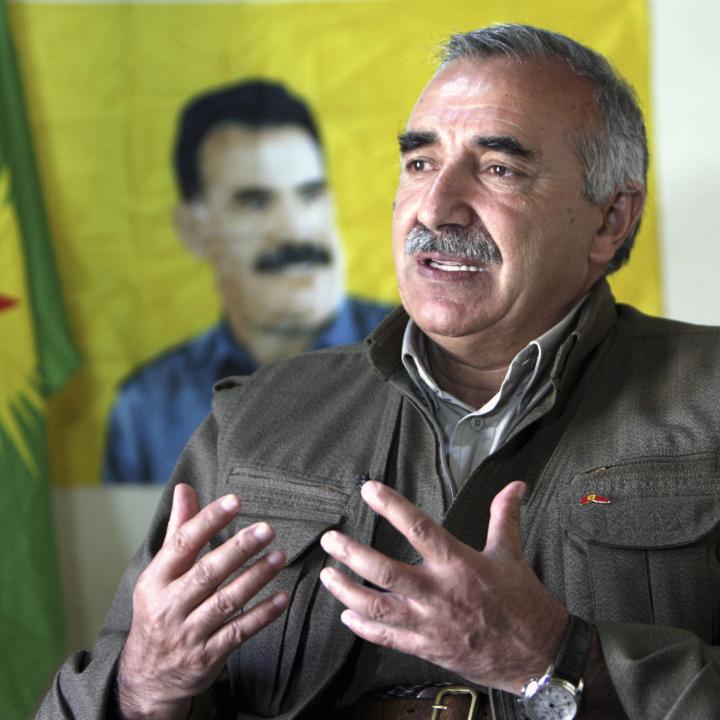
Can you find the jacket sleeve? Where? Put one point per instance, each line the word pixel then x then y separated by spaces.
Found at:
pixel 82 688
pixel 662 672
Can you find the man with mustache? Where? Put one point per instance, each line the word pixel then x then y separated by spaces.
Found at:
pixel 256 206
pixel 509 492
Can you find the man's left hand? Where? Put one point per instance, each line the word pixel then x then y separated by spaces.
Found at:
pixel 484 615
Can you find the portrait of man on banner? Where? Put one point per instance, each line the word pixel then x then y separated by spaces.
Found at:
pixel 254 204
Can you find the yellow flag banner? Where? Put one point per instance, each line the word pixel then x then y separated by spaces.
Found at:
pixel 106 82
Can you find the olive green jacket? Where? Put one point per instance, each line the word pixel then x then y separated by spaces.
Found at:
pixel 633 415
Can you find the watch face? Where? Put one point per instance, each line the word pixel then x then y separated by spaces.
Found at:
pixel 553 700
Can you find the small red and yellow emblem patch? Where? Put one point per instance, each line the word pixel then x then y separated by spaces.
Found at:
pixel 593 498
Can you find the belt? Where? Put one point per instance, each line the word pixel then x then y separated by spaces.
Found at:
pixel 449 703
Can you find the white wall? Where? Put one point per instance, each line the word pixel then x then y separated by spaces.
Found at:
pixel 99 529
pixel 686 68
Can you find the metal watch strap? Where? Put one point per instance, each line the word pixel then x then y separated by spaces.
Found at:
pixel 574 650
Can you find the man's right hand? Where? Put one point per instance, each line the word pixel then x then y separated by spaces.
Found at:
pixel 186 620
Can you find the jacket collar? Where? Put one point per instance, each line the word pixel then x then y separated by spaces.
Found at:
pixel 596 318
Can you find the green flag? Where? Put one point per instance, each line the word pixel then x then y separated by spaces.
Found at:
pixel 36 357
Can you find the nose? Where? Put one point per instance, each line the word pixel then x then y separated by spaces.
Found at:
pixel 288 220
pixel 448 200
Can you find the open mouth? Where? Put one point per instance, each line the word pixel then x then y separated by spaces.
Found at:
pixel 457 266
pixel 452 265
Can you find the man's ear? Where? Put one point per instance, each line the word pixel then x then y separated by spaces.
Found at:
pixel 190 221
pixel 619 216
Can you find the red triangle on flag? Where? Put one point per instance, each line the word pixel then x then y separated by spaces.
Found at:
pixel 7 302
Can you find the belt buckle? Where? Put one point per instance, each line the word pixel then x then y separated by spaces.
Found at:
pixel 438 706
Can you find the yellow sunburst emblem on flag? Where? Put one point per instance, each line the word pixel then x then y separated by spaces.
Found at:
pixel 18 362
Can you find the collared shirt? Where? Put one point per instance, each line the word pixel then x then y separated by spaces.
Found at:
pixel 469 434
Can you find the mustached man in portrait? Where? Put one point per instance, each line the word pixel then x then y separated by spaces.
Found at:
pixel 255 204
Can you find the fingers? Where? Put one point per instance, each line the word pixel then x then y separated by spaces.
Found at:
pixel 222 603
pixel 427 537
pixel 504 526
pixel 236 632
pixel 381 607
pixel 371 565
pixel 185 505
pixel 432 541
pixel 400 639
pixel 182 546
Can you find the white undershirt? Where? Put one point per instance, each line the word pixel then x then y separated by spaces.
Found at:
pixel 469 435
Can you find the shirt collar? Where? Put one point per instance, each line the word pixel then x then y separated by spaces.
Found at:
pixel 527 366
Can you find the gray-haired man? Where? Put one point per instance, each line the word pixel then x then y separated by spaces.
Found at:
pixel 591 589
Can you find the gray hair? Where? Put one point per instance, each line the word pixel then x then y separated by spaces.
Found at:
pixel 616 155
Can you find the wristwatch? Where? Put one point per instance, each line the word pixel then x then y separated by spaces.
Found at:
pixel 556 695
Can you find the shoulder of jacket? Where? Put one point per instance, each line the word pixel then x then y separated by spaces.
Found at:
pixel 301 373
pixel 632 322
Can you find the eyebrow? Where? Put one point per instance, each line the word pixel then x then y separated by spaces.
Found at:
pixel 506 144
pixel 311 186
pixel 251 194
pixel 414 139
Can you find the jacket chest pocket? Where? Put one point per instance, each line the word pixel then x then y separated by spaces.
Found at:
pixel 642 542
pixel 300 510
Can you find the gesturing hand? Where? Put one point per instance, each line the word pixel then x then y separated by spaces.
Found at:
pixel 185 615
pixel 484 615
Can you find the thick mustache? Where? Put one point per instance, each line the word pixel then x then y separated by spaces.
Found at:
pixel 472 242
pixel 288 254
